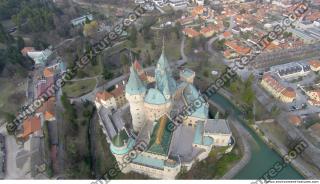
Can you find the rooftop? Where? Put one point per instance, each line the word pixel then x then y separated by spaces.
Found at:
pixel 161 138
pixel 219 126
pixel 31 125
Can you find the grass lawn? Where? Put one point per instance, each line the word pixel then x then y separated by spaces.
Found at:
pixel 93 70
pixel 276 131
pixel 79 88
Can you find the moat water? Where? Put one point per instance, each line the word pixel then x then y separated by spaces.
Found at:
pixel 262 157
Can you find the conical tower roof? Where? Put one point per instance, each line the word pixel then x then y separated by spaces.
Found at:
pixel 135 85
pixel 120 139
pixel 163 63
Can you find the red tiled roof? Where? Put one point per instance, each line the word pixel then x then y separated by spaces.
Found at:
pixel 25 50
pixel 273 83
pixel 315 63
pixel 227 34
pixel 295 120
pixel 118 91
pixel 206 29
pixel 48 72
pixel 103 96
pixel 237 48
pixel 191 32
pixel 137 66
pixel 48 109
pixel 31 125
pixel 289 92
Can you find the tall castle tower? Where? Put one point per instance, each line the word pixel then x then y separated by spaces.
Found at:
pixel 163 76
pixel 135 93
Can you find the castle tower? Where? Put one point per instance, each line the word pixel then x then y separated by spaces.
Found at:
pixel 120 147
pixel 135 93
pixel 163 76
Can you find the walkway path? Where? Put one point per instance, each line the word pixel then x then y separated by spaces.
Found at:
pixel 183 55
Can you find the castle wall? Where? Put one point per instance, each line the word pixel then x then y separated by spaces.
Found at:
pixel 137 111
pixel 156 111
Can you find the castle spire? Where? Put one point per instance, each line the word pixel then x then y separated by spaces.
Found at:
pixel 163 44
pixel 135 85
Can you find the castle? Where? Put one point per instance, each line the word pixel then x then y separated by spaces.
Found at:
pixel 151 101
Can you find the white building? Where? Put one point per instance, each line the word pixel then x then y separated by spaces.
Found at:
pixel 178 4
pixel 291 70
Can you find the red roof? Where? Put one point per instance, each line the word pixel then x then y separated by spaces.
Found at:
pixel 191 32
pixel 25 50
pixel 137 66
pixel 315 63
pixel 227 34
pixel 273 83
pixel 118 91
pixel 31 125
pixel 289 92
pixel 103 96
pixel 295 120
pixel 48 109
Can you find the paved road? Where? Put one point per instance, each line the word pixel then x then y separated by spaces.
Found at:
pixel 184 57
pixel 12 149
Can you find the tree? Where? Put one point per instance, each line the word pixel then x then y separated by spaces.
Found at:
pixel 206 73
pixel 233 87
pixel 20 43
pixel 133 36
pixel 248 95
pixel 219 44
pixel 90 28
pixel 4 36
pixel 107 74
pixel 148 58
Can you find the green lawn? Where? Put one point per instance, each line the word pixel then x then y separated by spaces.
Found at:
pixel 79 88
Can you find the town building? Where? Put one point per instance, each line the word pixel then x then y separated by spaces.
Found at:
pixel 178 4
pixel 277 90
pixel 39 57
pixel 295 120
pixel 314 97
pixel 314 65
pixel 111 100
pixel 291 70
pixel 81 20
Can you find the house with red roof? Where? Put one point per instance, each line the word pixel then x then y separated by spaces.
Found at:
pixel 190 32
pixel 31 125
pixel 277 90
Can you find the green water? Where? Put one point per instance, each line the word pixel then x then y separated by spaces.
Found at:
pixel 262 157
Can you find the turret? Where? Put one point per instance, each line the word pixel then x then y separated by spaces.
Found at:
pixel 135 93
pixel 120 146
